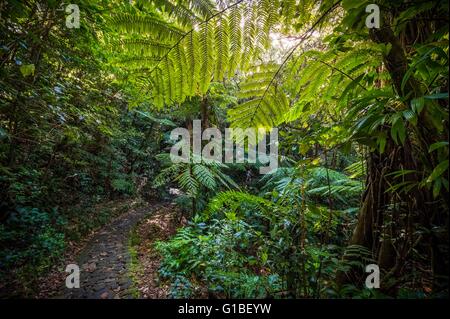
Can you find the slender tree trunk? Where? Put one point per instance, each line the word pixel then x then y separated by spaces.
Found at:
pixel 385 216
pixel 204 107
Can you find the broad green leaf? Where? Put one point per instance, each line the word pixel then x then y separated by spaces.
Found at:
pixel 437 96
pixel 436 146
pixel 381 141
pixel 438 171
pixel 398 131
pixel 437 187
pixel 417 104
pixel 410 116
pixel 411 69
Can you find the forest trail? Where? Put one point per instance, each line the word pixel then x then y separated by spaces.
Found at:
pixel 310 141
pixel 105 261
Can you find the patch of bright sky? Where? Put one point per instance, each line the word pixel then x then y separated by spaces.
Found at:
pixel 282 44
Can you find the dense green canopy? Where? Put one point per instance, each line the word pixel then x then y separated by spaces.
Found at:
pixel 362 113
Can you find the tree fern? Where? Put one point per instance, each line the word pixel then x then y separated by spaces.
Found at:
pixel 194 42
pixel 188 182
pixel 249 36
pixel 193 177
pixel 267 102
pixel 204 175
pixel 326 182
pixel 205 8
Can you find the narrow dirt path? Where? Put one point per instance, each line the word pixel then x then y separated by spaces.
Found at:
pixel 105 259
pixel 159 226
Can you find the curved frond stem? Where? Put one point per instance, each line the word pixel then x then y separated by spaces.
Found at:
pixel 340 71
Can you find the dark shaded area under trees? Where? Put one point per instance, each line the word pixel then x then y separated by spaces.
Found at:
pixel 86 115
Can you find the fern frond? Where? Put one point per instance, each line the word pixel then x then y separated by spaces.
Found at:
pixel 188 182
pixel 227 41
pixel 144 47
pixel 235 19
pixel 180 71
pixel 179 11
pixel 169 81
pixel 149 24
pixel 268 102
pixel 207 57
pixel 234 199
pixel 222 42
pixel 204 8
pixel 267 13
pixel 193 58
pixel 166 175
pixel 204 176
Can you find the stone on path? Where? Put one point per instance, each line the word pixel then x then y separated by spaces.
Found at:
pixel 104 261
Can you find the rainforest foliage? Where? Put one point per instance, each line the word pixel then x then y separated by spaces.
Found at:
pixel 362 113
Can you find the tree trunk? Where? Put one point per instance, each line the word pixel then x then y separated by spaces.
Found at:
pixel 387 219
pixel 204 108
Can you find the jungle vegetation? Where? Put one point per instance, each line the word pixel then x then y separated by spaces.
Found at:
pixel 362 113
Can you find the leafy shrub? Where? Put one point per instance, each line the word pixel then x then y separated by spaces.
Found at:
pixel 123 185
pixel 223 256
pixel 32 238
pixel 245 246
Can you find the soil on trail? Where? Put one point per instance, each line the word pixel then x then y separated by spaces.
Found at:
pixel 105 260
pixel 159 226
